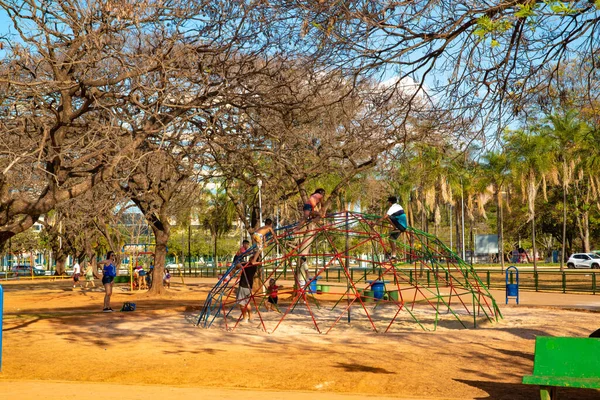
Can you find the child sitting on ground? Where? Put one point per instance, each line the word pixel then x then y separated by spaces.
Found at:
pixel 272 292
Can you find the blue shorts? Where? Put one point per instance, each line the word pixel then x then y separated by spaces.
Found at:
pixel 399 221
pixel 307 207
pixel 107 279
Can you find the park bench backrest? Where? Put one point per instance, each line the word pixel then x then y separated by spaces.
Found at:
pixel 567 356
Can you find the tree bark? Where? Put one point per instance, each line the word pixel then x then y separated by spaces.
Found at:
pixel 215 249
pixel 583 225
pixel 61 260
pixel 585 217
pixel 161 237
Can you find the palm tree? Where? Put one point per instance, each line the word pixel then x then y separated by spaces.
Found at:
pixel 218 217
pixel 495 172
pixel 529 152
pixel 586 183
pixel 566 131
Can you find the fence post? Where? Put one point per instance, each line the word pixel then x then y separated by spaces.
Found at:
pixel 564 282
pixel 428 278
pixel 410 277
pixel 593 283
pixel 488 278
pixel 1 318
pixel 535 280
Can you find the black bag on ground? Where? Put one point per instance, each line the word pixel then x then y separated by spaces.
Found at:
pixel 127 306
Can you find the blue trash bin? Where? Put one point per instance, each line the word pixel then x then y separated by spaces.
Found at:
pixel 512 284
pixel 312 286
pixel 378 289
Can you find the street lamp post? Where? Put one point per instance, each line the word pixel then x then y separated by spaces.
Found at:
pixel 190 246
pixel 260 217
pixel 260 214
pixel 462 200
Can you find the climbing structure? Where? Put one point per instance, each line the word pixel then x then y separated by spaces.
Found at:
pixel 354 283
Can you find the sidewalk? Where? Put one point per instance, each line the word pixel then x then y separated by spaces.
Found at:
pixel 550 299
pixel 56 390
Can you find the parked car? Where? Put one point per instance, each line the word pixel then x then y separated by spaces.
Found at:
pixel 25 270
pixel 174 267
pixel 584 260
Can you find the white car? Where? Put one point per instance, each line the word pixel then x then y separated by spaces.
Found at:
pixel 584 260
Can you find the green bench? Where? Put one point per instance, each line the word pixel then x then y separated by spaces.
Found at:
pixel 566 362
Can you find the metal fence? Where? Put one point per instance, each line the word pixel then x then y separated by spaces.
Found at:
pixel 568 281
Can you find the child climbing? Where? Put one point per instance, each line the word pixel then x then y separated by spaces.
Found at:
pixel 312 209
pixel 397 217
pixel 241 255
pixel 259 237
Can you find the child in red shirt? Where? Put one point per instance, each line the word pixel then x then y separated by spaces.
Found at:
pixel 272 292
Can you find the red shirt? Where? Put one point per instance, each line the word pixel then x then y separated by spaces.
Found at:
pixel 241 251
pixel 273 290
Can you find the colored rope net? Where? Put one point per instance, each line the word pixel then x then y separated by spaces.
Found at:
pixel 352 282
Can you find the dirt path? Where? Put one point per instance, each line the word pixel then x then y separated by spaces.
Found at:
pixel 56 343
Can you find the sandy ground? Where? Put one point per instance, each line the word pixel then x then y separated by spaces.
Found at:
pixel 58 345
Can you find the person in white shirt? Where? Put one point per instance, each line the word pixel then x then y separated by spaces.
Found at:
pixel 397 217
pixel 302 273
pixel 76 273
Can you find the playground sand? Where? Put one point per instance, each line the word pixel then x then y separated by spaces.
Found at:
pixel 57 345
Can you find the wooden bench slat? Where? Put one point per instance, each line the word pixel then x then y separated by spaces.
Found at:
pixel 562 381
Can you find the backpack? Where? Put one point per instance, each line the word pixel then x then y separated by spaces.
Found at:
pixel 127 306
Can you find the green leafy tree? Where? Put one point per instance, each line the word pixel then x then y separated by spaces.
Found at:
pixel 495 171
pixel 565 131
pixel 218 216
pixel 531 157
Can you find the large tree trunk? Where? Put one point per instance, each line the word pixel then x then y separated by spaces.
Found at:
pixel 585 222
pixel 161 237
pixel 215 249
pixel 61 260
pixel 583 226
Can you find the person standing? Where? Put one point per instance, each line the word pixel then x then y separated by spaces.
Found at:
pixel 109 271
pixel 76 273
pixel 302 274
pixel 141 277
pixel 89 275
pixel 244 294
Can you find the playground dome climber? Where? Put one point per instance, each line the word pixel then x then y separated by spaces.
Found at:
pixel 353 283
